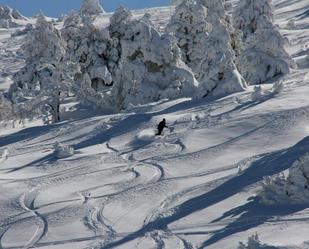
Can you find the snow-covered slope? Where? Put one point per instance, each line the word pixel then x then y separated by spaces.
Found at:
pixel 194 187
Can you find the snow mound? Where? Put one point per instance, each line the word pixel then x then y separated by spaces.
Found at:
pixel 290 189
pixel 63 151
pixel 4 155
pixel 9 17
pixel 255 243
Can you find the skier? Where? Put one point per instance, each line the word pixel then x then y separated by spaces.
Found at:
pixel 161 126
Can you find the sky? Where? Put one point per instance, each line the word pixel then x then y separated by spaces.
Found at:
pixel 55 8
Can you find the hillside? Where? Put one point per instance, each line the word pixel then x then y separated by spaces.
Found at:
pixel 194 187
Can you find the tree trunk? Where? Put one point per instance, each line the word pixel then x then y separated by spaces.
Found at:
pixel 55 108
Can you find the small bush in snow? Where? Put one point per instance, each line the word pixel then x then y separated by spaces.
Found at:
pixel 63 151
pixel 254 243
pixel 293 188
pixel 277 87
pixel 6 109
pixel 291 25
pixel 257 93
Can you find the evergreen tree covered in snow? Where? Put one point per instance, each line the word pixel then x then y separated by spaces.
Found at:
pixel 38 84
pixel 191 29
pixel 204 39
pixel 89 47
pixel 150 66
pixel 118 24
pixel 264 56
pixel 91 8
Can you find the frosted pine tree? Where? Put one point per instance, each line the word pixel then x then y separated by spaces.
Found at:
pixel 118 24
pixel 189 26
pixel 88 45
pixel 206 46
pixel 264 56
pixel 91 8
pixel 37 87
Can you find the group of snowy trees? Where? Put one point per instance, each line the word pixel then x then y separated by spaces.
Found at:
pixel 201 53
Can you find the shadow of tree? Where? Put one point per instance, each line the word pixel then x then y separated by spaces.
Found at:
pixel 268 164
pixel 252 215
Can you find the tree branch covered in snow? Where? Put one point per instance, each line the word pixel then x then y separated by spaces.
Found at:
pixel 91 8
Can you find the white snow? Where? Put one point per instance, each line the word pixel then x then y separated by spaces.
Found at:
pixel 197 186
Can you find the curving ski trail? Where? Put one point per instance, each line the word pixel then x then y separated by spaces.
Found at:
pixel 42 228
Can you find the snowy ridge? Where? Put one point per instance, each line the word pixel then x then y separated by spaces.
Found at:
pixel 196 186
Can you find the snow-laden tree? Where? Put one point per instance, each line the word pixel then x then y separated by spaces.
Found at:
pixel 91 8
pixel 189 26
pixel 89 47
pixel 218 10
pixel 150 66
pixel 38 85
pixel 264 56
pixel 221 75
pixel 205 41
pixel 118 24
pixel 292 187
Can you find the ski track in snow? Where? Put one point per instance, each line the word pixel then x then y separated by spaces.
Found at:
pixel 28 204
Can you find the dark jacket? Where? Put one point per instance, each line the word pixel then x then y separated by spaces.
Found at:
pixel 162 125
